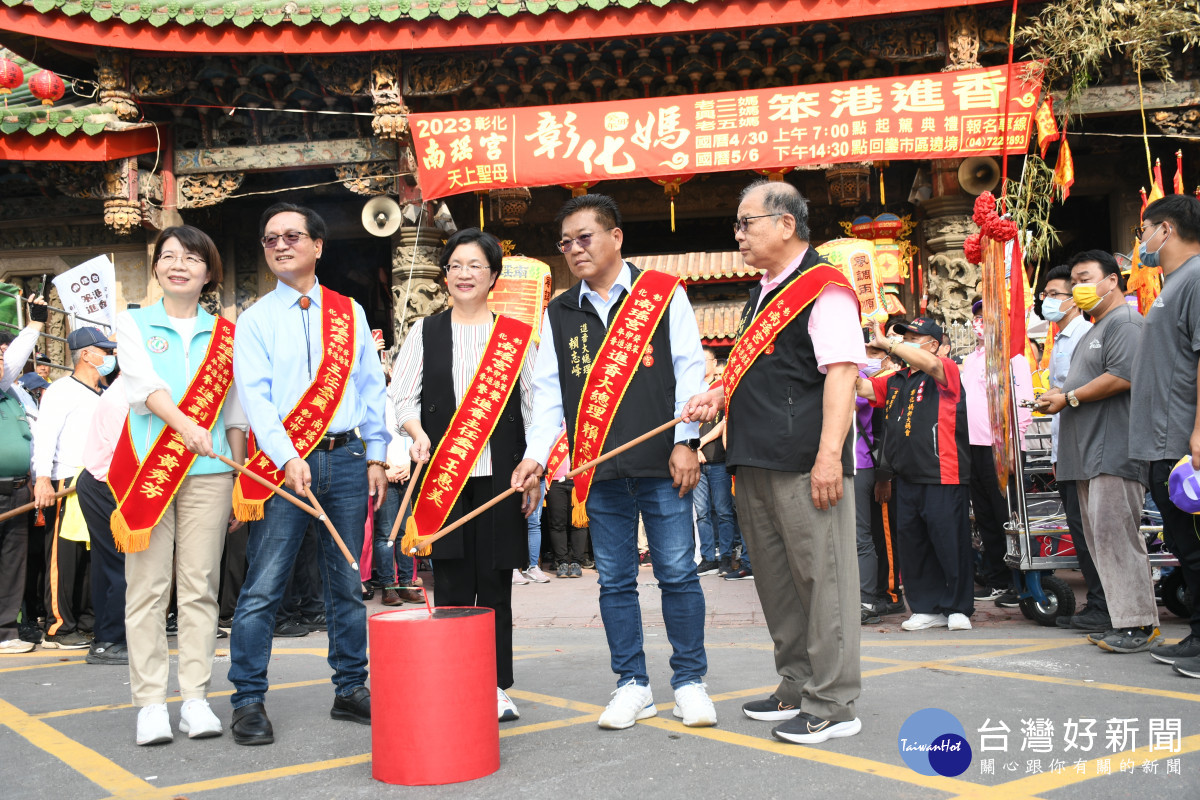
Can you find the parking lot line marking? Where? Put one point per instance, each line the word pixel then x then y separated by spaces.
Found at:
pixel 832 758
pixel 84 760
pixel 556 702
pixel 538 727
pixel 244 778
pixel 43 666
pixel 1111 687
pixel 1049 781
pixel 70 712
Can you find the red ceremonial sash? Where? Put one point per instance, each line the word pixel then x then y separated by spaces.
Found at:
pixel 614 366
pixel 145 490
pixel 773 317
pixel 307 422
pixel 560 453
pixel 470 428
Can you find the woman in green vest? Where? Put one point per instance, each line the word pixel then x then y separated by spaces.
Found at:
pixel 174 496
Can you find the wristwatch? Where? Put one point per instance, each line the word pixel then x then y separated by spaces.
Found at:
pixel 1072 399
pixel 693 444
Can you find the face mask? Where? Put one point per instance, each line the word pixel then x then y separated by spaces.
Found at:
pixel 107 365
pixel 912 344
pixel 977 324
pixel 1086 296
pixel 1052 310
pixel 1147 258
pixel 874 364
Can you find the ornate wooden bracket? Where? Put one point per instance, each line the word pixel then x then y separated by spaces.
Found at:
pixel 112 75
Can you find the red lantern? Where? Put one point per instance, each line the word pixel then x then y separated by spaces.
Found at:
pixel 776 174
pixel 47 87
pixel 581 188
pixel 11 76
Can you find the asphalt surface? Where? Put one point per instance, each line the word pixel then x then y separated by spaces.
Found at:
pixel 67 730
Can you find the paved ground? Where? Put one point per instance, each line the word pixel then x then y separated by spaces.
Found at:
pixel 66 729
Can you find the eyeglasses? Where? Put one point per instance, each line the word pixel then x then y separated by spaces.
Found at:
pixel 474 269
pixel 583 240
pixel 192 260
pixel 740 225
pixel 1053 295
pixel 291 237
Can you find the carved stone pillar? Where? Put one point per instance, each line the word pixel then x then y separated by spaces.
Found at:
pixel 423 293
pixel 952 281
pixel 391 115
pixel 962 40
pixel 112 76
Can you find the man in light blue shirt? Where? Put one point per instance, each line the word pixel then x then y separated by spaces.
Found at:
pixel 277 352
pixel 653 480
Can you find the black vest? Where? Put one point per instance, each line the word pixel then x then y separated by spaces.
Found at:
pixel 776 413
pixel 511 548
pixel 649 401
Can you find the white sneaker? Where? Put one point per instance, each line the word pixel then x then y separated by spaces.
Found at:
pixel 630 703
pixel 536 575
pixel 693 706
pixel 9 646
pixel 154 725
pixel 958 622
pixel 197 720
pixel 506 708
pixel 519 579
pixel 919 622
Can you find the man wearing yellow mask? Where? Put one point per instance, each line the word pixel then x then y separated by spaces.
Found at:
pixel 1162 423
pixel 1093 450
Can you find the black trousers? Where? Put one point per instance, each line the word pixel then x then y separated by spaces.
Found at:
pixel 1181 533
pixel 569 543
pixel 1091 578
pixel 68 597
pixel 991 512
pixel 471 580
pixel 233 570
pixel 14 539
pixel 934 528
pixel 304 595
pixel 35 563
pixel 97 503
pixel 887 550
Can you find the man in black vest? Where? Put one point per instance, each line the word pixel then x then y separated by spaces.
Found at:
pixel 654 479
pixel 788 446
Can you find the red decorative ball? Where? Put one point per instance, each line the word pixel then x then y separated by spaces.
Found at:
pixel 1000 229
pixel 11 75
pixel 973 247
pixel 985 208
pixel 47 87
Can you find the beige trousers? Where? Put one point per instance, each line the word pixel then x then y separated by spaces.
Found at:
pixel 186 544
pixel 806 573
pixel 1112 513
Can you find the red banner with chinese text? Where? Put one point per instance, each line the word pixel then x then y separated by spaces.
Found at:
pixel 941 115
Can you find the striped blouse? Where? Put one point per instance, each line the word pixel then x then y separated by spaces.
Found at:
pixel 469 342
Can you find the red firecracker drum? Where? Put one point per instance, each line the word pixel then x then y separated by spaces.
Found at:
pixel 433 696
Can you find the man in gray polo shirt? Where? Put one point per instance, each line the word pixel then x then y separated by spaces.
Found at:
pixel 1163 425
pixel 1093 450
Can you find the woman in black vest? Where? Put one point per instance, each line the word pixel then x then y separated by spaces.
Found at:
pixel 434 369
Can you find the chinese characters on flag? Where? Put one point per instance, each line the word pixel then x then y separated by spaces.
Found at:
pixel 942 115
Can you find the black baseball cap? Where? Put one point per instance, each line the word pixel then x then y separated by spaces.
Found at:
pixel 32 381
pixel 89 337
pixel 922 326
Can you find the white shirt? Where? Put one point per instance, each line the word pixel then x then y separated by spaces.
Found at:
pixel 18 352
pixel 468 343
pixel 141 380
pixel 62 427
pixel 687 358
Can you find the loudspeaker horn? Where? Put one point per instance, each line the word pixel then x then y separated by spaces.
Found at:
pixel 979 174
pixel 381 216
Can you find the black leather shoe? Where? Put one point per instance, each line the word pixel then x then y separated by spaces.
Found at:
pixel 107 653
pixel 290 629
pixel 354 708
pixel 251 726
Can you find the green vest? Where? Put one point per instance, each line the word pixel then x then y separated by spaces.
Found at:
pixel 16 440
pixel 176 363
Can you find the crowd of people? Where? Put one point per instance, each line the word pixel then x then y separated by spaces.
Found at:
pixel 858 462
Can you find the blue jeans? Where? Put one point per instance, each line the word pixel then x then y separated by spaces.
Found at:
pixel 534 523
pixel 722 513
pixel 390 567
pixel 339 480
pixel 704 517
pixel 613 508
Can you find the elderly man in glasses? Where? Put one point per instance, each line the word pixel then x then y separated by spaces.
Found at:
pixel 312 387
pixel 620 355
